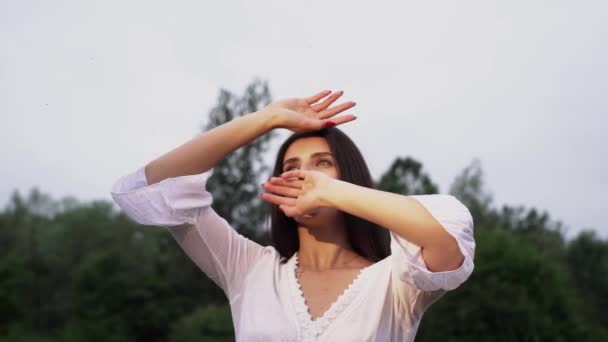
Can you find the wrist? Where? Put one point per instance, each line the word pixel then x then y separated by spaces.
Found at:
pixel 328 193
pixel 269 120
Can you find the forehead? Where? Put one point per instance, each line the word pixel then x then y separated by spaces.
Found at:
pixel 304 147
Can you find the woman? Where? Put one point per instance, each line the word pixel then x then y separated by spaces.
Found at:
pixel 348 262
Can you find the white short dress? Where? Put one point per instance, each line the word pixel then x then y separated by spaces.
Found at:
pixel 385 302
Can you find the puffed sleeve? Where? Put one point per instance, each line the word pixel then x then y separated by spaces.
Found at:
pixel 183 206
pixel 407 261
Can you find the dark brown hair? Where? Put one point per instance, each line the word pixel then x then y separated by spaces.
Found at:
pixel 367 238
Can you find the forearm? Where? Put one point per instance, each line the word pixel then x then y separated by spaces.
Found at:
pixel 401 214
pixel 204 151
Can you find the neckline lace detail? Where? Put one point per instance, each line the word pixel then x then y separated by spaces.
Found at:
pixel 312 329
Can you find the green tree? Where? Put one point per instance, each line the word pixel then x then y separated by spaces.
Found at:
pixel 514 294
pixel 75 271
pixel 469 187
pixel 211 323
pixel 588 263
pixel 235 181
pixel 520 289
pixel 405 176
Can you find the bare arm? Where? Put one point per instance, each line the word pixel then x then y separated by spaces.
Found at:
pixel 296 192
pixel 403 215
pixel 439 224
pixel 201 153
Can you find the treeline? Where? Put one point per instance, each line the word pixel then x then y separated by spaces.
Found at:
pixel 74 271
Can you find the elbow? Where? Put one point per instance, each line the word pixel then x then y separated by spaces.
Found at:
pixel 443 258
pixel 457 259
pixel 453 255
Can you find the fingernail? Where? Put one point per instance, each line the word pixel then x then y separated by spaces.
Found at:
pixel 330 124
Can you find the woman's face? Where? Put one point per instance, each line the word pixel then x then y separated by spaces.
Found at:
pixel 312 153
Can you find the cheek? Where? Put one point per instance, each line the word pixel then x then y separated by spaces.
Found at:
pixel 333 173
pixel 325 211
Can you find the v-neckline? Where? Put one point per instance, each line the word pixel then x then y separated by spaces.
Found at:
pixel 311 329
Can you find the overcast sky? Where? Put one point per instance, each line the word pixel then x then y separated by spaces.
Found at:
pixel 92 90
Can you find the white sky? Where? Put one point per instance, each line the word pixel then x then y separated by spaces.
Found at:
pixel 91 90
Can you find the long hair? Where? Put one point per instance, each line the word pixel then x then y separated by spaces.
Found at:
pixel 367 238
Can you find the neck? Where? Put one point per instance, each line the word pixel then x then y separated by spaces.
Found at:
pixel 324 247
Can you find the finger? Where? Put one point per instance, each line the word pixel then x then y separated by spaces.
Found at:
pixel 282 190
pixel 293 183
pixel 278 200
pixel 293 174
pixel 327 102
pixel 337 109
pixel 289 211
pixel 341 120
pixel 317 97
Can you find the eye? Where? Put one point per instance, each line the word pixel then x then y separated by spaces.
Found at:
pixel 325 160
pixel 328 162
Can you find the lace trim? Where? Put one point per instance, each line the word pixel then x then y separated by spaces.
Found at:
pixel 312 329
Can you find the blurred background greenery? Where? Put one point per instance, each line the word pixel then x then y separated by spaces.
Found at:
pixel 73 271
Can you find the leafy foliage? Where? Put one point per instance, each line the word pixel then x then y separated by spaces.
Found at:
pixel 405 176
pixel 74 271
pixel 235 179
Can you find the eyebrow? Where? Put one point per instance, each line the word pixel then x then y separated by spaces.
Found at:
pixel 314 155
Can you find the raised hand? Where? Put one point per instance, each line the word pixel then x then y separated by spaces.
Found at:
pixel 297 192
pixel 308 114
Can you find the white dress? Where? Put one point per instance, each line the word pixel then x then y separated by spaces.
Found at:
pixel 385 302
